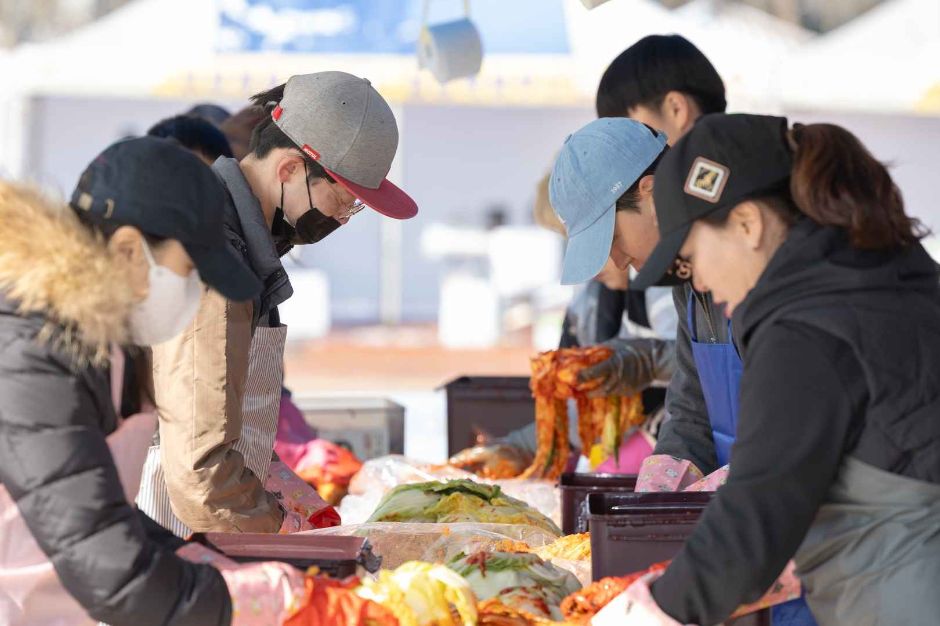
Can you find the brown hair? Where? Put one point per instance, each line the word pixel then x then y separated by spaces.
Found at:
pixel 836 181
pixel 542 212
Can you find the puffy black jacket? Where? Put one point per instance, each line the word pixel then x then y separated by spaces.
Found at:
pixel 55 412
pixel 841 352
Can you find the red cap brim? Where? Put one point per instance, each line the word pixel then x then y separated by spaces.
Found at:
pixel 388 199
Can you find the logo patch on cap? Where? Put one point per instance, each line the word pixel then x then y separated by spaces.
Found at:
pixel 84 201
pixel 681 269
pixel 313 153
pixel 706 180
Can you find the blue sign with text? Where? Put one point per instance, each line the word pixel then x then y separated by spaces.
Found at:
pixel 384 26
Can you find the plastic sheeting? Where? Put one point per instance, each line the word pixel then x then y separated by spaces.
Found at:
pixel 379 476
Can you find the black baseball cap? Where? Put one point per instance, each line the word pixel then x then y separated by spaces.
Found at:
pixel 723 161
pixel 165 191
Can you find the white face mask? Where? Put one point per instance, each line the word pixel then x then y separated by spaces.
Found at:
pixel 169 307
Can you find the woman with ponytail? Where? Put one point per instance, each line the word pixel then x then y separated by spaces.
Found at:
pixel 802 235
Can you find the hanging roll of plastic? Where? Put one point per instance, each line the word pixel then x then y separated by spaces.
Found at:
pixel 452 49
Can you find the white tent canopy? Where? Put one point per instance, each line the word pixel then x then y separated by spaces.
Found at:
pixel 599 35
pixel 746 45
pixel 126 52
pixel 168 47
pixel 749 47
pixel 885 61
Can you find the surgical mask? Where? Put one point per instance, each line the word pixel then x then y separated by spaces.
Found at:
pixel 314 226
pixel 169 307
pixel 311 227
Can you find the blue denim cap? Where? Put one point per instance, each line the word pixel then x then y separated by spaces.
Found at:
pixel 596 166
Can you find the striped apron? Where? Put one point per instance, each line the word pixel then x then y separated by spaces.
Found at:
pixel 259 427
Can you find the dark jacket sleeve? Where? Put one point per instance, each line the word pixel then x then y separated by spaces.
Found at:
pixel 800 390
pixel 55 462
pixel 686 432
pixel 159 535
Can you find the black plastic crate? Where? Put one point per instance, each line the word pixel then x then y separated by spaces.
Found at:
pixel 630 532
pixel 495 405
pixel 574 490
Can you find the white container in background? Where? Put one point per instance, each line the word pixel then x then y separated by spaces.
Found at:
pixel 549 304
pixel 372 426
pixel 307 312
pixel 451 50
pixel 524 259
pixel 469 312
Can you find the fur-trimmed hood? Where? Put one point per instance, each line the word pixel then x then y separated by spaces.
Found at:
pixel 53 267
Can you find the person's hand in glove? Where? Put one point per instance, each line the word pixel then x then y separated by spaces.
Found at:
pixel 635 607
pixel 263 594
pixel 634 365
pixel 496 460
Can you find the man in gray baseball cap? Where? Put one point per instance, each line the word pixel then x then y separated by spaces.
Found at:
pixel 319 155
pixel 354 142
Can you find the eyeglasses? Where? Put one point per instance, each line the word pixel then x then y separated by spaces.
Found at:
pixel 356 206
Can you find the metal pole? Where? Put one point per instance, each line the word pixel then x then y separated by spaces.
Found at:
pixel 390 244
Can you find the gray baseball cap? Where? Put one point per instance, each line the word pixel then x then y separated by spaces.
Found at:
pixel 342 122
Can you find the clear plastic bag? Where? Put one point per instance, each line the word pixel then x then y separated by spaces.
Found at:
pixel 398 543
pixel 542 495
pixel 378 476
pixel 388 472
pixel 581 569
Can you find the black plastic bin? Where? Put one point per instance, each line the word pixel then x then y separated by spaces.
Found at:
pixel 630 532
pixel 574 490
pixel 495 405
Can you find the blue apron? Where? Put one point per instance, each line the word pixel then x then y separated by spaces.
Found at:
pixel 719 372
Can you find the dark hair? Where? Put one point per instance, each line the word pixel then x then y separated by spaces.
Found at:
pixel 267 136
pixel 630 199
pixel 652 67
pixel 209 112
pixel 835 181
pixel 194 133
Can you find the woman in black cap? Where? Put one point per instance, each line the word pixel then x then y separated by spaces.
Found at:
pixel 122 267
pixel 803 236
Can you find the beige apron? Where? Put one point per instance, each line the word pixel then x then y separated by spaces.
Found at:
pixel 259 427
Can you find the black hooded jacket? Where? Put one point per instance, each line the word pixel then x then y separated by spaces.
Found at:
pixel 841 351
